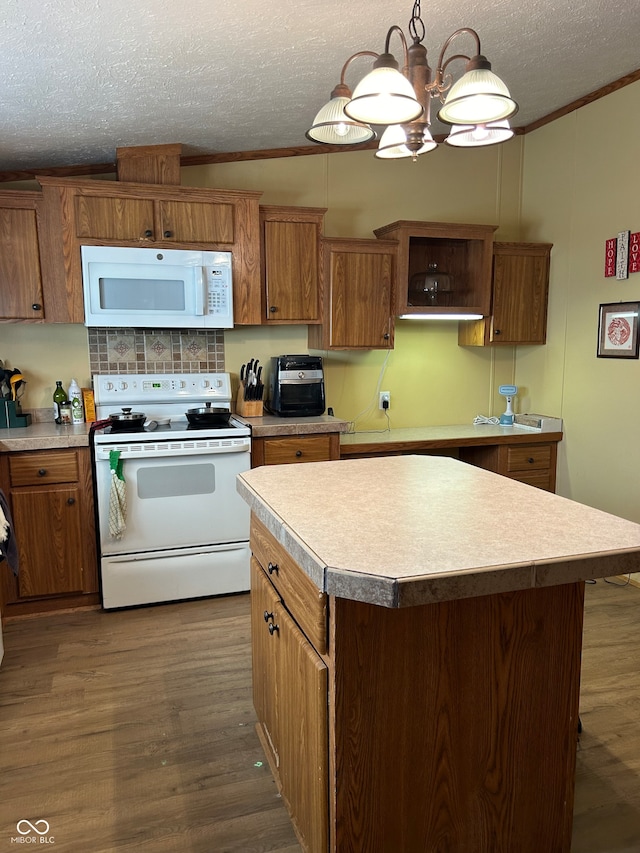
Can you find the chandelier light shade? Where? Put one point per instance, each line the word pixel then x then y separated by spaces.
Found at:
pixel 384 96
pixel 478 104
pixel 333 127
pixel 393 144
pixel 477 135
pixel 478 97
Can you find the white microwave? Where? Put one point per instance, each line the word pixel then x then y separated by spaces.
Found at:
pixel 149 288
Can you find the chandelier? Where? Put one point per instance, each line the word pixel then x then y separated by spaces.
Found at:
pixel 477 106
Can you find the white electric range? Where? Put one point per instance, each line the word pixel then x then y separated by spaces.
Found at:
pixel 183 531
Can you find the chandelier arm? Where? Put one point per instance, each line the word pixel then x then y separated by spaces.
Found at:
pixel 442 65
pixel 356 56
pixel 396 29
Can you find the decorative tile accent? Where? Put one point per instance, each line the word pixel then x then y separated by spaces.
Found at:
pixel 156 351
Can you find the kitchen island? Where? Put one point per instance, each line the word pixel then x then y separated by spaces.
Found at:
pixel 417 627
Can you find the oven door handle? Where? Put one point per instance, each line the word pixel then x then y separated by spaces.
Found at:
pixel 148 451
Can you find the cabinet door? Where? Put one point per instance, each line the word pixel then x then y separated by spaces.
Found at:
pixel 113 218
pixel 291 271
pixel 48 531
pixel 20 273
pixel 195 222
pixel 520 294
pixel 358 280
pixel 291 694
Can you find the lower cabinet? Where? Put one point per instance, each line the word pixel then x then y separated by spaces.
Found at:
pixel 412 730
pixel 534 464
pixel 281 450
pixel 51 500
pixel 290 684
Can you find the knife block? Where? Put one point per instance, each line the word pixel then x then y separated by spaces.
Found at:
pixel 248 408
pixel 11 415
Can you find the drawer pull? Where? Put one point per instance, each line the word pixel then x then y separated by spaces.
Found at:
pixel 268 616
pixel 298 453
pixel 272 567
pixel 273 628
pixel 531 460
pixel 42 472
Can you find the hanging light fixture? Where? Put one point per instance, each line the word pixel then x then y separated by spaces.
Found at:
pixel 478 101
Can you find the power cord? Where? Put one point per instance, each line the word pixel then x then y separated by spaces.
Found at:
pixel 481 419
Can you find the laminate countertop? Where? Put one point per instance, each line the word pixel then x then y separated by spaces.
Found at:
pixel 399 531
pixel 46 435
pixel 49 435
pixel 455 435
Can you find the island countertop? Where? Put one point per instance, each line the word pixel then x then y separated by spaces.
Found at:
pixel 408 530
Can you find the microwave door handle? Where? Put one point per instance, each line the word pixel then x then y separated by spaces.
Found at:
pixel 200 292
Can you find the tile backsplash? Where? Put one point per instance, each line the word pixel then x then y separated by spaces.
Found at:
pixel 156 351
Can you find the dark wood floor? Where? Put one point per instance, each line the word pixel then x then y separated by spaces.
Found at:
pixel 134 730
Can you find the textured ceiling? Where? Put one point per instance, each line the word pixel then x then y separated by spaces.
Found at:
pixel 83 77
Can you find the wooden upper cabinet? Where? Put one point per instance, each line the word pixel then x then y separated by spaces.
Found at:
pixel 150 215
pixel 462 252
pixel 358 286
pixel 520 291
pixel 290 243
pixel 113 218
pixel 21 256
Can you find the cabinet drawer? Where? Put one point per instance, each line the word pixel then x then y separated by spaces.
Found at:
pixel 541 479
pixel 527 457
pixel 278 451
pixel 35 469
pixel 304 601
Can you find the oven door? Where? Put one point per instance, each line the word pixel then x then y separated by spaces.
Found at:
pixel 174 501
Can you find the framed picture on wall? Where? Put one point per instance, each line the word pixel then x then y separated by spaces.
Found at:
pixel 618 330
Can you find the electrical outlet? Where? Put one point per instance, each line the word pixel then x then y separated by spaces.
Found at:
pixel 384 400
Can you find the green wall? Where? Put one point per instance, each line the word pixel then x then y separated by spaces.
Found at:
pixel 581 187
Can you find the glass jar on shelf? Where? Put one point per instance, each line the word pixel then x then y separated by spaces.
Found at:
pixel 430 286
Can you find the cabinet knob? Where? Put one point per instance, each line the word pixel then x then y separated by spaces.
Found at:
pixel 273 309
pixel 268 616
pixel 298 453
pixel 273 628
pixel 272 567
pixel 36 306
pixel 42 472
pixel 71 501
pixel 386 336
pixel 168 233
pixel 148 233
pixel 497 331
pixel 531 460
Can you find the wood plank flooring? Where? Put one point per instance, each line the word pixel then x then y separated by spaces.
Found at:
pixel 134 730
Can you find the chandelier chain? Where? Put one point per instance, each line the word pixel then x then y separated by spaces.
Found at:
pixel 416 24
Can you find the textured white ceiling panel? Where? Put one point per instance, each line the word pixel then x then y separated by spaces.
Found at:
pixel 80 78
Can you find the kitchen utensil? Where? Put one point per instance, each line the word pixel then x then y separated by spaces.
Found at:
pixel 208 415
pixel 127 420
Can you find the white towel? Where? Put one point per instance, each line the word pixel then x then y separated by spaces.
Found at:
pixel 117 497
pixel 4 527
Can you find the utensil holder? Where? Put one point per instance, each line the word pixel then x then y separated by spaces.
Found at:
pixel 248 408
